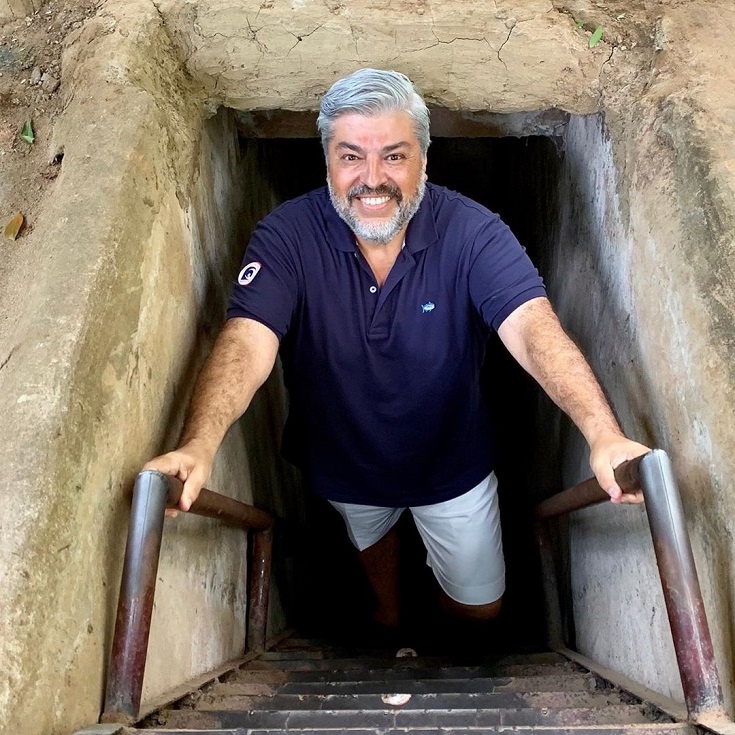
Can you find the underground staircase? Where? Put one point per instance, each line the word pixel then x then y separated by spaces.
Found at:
pixel 302 686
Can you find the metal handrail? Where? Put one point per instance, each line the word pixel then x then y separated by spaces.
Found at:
pixel 652 474
pixel 152 494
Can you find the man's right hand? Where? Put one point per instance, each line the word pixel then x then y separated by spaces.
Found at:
pixel 190 464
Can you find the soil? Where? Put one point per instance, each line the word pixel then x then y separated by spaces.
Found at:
pixel 31 89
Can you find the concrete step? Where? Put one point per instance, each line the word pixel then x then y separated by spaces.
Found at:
pixel 218 699
pixel 622 718
pixel 299 688
pixel 647 729
pixel 259 687
pixel 366 666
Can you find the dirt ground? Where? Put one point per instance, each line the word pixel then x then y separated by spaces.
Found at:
pixel 31 89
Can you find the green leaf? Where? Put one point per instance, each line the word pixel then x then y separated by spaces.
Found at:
pixel 596 37
pixel 27 133
pixel 579 24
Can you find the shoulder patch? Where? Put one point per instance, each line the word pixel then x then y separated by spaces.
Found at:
pixel 248 273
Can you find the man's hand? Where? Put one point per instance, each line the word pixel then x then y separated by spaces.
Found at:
pixel 190 464
pixel 608 451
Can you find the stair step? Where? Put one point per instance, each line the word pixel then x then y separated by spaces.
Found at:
pixel 400 672
pixel 323 650
pixel 365 665
pixel 304 686
pixel 219 699
pixel 300 654
pixel 646 729
pixel 400 718
pixel 410 685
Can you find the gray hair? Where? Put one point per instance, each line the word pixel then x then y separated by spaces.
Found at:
pixel 373 92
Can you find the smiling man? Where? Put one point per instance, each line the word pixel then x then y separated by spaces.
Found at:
pixel 380 291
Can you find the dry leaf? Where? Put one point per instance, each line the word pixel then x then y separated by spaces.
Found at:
pixel 14 226
pixel 397 700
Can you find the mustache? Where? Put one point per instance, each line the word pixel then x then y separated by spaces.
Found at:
pixel 378 191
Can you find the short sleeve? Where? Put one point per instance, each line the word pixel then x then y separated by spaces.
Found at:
pixel 267 286
pixel 502 276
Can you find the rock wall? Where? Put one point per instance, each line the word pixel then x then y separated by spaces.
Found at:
pixel 18 8
pixel 642 275
pixel 134 254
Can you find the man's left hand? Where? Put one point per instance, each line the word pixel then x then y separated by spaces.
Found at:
pixel 607 452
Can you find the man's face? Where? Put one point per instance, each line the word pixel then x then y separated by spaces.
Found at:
pixel 375 173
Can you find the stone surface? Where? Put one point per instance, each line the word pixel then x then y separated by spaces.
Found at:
pixel 11 9
pixel 110 305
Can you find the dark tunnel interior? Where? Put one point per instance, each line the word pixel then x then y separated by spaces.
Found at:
pixel 316 571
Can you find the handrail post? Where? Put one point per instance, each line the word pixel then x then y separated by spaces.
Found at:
pixel 153 492
pixel 682 594
pixel 554 634
pixel 135 605
pixel 260 575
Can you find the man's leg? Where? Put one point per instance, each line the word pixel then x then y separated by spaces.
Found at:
pixel 371 530
pixel 477 613
pixel 464 550
pixel 380 562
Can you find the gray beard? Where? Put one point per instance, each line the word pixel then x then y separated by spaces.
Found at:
pixel 380 233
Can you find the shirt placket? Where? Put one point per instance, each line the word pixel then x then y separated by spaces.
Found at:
pixel 382 315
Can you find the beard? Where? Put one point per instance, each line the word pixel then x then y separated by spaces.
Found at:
pixel 383 232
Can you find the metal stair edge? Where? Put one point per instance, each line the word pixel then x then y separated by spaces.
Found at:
pixel 680 728
pixel 183 690
pixel 197 682
pixel 667 705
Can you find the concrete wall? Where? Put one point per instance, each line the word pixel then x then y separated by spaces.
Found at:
pixel 131 260
pixel 626 276
pixel 592 273
pixel 19 8
pixel 642 275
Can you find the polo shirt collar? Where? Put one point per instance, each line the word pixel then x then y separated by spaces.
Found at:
pixel 421 232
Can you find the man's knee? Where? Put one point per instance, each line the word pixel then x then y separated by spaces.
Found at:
pixel 479 613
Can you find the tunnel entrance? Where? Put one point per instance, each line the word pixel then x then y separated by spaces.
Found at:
pixel 320 583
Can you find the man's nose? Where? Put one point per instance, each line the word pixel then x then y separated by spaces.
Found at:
pixel 374 174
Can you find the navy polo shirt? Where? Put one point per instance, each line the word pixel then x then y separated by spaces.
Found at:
pixel 384 391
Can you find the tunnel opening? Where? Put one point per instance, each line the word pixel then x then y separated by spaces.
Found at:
pixel 320 586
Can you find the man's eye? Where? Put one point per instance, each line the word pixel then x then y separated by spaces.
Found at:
pixel 349 157
pixel 395 157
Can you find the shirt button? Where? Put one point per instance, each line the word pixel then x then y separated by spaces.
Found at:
pixel 373 289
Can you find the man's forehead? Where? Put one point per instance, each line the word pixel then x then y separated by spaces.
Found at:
pixel 389 127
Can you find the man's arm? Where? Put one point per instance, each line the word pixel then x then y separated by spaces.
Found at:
pixel 536 339
pixel 241 360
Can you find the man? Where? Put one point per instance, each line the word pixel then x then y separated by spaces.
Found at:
pixel 380 291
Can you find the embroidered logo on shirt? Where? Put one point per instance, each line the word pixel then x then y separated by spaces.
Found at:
pixel 427 307
pixel 248 273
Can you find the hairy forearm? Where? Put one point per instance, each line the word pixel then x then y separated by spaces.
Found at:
pixel 536 339
pixel 240 362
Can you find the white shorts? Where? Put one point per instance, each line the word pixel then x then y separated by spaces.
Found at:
pixel 462 539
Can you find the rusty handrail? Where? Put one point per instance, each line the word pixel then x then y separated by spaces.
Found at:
pixel 652 473
pixel 589 492
pixel 152 494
